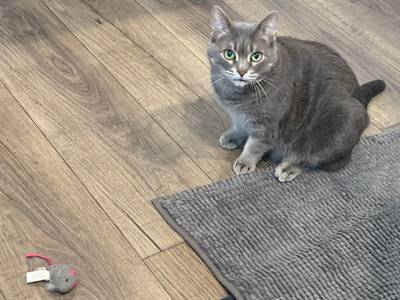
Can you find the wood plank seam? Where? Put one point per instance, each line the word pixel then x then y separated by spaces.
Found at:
pixel 133 97
pixel 160 281
pixel 77 177
pixel 171 270
pixel 380 57
pixel 15 276
pixel 145 233
pixel 124 74
pixel 162 25
pixel 4 297
pixel 93 9
pixel 166 249
pixel 161 233
pixel 173 34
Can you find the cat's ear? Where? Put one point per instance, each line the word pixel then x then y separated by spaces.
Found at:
pixel 269 26
pixel 220 23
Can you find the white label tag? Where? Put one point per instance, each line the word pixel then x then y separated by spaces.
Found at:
pixel 38 275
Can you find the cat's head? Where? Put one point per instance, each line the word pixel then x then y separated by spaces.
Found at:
pixel 241 52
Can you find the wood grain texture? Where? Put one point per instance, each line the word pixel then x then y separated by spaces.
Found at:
pixel 371 130
pixel 45 208
pixel 373 24
pixel 189 118
pixel 132 20
pixel 121 154
pixel 169 267
pixel 113 107
pixel 187 20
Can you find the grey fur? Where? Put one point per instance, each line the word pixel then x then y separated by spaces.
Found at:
pixel 62 278
pixel 301 104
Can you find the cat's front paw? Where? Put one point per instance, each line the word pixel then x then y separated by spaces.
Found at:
pixel 231 140
pixel 286 172
pixel 244 166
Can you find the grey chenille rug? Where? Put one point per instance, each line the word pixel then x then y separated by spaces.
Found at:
pixel 322 236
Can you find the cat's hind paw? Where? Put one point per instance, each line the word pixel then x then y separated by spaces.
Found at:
pixel 285 172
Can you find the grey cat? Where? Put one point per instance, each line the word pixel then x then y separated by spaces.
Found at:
pixel 296 100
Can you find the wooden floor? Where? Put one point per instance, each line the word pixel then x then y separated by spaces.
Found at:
pixel 107 104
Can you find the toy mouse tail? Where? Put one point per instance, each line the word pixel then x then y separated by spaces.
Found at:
pixel 34 254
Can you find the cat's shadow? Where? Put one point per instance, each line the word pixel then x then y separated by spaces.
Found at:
pixel 206 123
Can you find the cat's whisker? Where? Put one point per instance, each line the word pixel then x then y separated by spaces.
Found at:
pixel 216 81
pixel 226 84
pixel 216 76
pixel 265 93
pixel 252 87
pixel 224 80
pixel 258 93
pixel 268 82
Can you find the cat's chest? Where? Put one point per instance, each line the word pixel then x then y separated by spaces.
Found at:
pixel 241 120
pixel 246 122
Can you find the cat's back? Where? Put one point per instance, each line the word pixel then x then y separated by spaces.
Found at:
pixel 302 47
pixel 327 61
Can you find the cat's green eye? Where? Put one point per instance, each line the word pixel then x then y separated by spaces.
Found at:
pixel 229 54
pixel 256 56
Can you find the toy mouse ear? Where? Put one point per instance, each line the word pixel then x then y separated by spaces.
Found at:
pixel 72 272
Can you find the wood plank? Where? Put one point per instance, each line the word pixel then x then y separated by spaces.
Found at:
pixel 45 208
pixel 371 130
pixel 160 231
pixel 191 120
pixel 373 24
pixel 185 20
pixel 143 30
pixel 118 151
pixel 391 7
pixel 169 267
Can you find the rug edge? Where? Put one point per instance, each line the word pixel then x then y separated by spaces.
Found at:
pixel 200 252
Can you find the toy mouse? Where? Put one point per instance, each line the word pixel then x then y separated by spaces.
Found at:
pixel 62 279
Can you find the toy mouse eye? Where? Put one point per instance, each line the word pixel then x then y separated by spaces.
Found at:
pixel 67 279
pixel 229 54
pixel 256 56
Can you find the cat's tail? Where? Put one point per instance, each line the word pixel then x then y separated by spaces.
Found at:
pixel 369 90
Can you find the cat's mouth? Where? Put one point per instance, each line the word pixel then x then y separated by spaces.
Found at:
pixel 240 82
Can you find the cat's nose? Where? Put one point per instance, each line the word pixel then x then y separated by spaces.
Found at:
pixel 242 72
